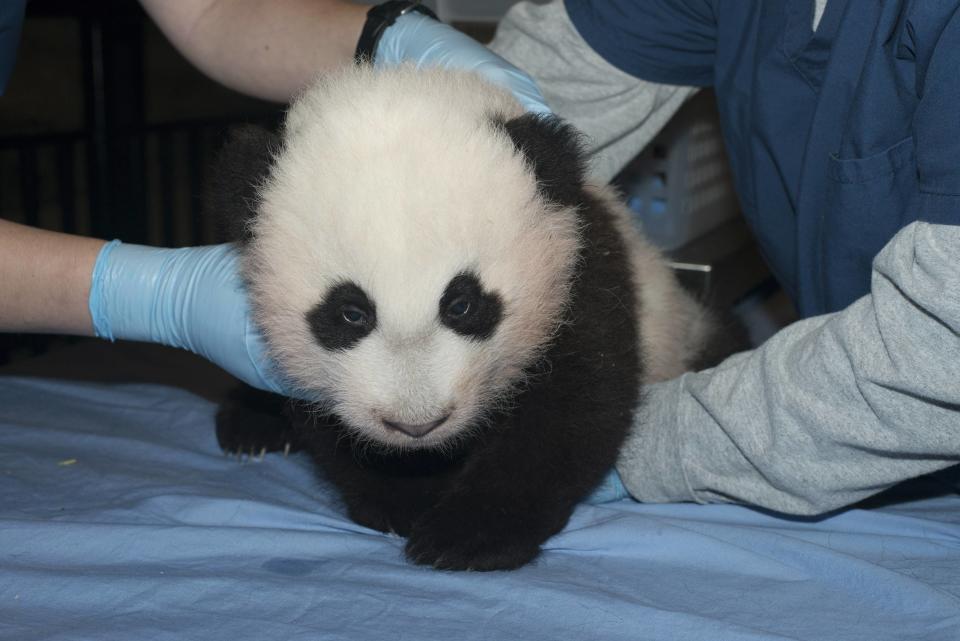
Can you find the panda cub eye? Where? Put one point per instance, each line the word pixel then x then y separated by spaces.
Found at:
pixel 353 315
pixel 459 307
pixel 468 309
pixel 343 318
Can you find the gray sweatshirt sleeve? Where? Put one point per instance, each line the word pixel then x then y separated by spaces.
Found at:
pixel 830 410
pixel 618 113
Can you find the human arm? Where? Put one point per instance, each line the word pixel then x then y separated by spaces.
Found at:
pixel 273 48
pixel 827 412
pixel 190 298
pixel 265 48
pixel 45 280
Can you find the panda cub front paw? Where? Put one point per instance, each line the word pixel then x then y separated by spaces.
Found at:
pixel 463 539
pixel 246 433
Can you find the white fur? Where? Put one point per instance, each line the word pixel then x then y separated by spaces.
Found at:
pixel 397 180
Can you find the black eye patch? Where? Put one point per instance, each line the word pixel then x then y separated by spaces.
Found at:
pixel 344 316
pixel 469 310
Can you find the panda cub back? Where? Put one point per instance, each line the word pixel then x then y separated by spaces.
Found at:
pixel 464 312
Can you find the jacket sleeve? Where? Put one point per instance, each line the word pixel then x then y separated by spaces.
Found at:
pixel 666 41
pixel 830 410
pixel 618 112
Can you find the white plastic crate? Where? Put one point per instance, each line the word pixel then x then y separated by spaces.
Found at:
pixel 680 187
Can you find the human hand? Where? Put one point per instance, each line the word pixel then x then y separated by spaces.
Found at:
pixel 423 41
pixel 192 298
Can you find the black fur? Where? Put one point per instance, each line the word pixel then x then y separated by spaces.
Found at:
pixel 241 166
pixel 492 503
pixel 251 421
pixel 482 310
pixel 554 151
pixel 327 319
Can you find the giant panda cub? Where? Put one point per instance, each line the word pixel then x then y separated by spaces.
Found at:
pixel 470 319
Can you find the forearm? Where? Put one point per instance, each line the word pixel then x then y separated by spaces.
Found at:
pixel 45 280
pixel 827 412
pixel 266 48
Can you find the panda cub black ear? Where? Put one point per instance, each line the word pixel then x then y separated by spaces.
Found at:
pixel 240 168
pixel 555 152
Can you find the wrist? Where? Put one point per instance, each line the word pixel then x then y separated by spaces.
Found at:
pixel 142 293
pixel 103 282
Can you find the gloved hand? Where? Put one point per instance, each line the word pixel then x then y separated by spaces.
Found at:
pixel 192 298
pixel 421 40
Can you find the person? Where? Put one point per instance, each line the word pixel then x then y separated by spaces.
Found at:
pixel 840 123
pixel 840 130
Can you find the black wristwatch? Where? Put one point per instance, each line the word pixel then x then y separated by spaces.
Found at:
pixel 378 19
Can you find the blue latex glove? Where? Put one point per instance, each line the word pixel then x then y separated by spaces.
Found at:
pixel 423 41
pixel 192 298
pixel 611 489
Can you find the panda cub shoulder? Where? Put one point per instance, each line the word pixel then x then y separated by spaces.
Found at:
pixel 469 319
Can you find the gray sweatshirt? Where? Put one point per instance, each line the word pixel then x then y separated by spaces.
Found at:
pixel 830 410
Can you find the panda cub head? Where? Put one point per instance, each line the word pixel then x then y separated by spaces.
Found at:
pixel 410 247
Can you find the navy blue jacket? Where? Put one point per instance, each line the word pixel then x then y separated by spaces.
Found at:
pixel 837 138
pixel 11 21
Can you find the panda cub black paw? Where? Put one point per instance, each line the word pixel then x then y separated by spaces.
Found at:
pixel 463 536
pixel 252 423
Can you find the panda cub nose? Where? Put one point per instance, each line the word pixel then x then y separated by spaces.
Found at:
pixel 415 430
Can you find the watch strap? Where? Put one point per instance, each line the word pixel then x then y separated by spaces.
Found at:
pixel 379 18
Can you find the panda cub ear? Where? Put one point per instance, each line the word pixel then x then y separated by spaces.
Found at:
pixel 240 168
pixel 555 152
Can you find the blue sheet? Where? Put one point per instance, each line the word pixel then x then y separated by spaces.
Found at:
pixel 121 519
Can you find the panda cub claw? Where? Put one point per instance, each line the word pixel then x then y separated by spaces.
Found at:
pixel 250 435
pixel 470 555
